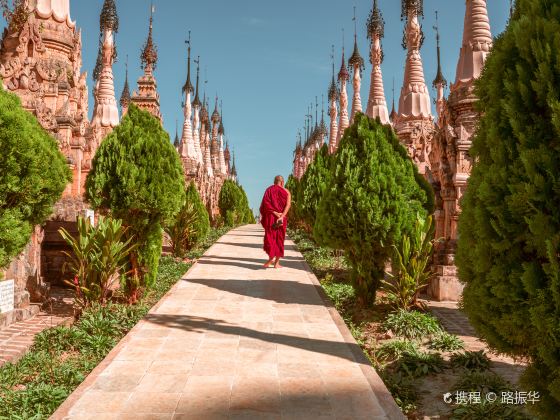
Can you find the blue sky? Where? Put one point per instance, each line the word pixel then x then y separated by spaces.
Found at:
pixel 267 60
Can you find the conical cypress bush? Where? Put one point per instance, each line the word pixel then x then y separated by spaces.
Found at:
pixel 372 199
pixel 509 229
pixel 33 175
pixel 137 176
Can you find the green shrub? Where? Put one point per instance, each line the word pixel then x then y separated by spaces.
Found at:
pixel 395 349
pixel 509 229
pixel 341 294
pixel 33 175
pixel 137 175
pixel 184 231
pixel 483 382
pixel 403 389
pixel 248 216
pixel 418 363
pixel 234 205
pixel 486 410
pixel 294 215
pixel 411 325
pixel 444 341
pixel 372 199
pixel 191 224
pixel 471 360
pixel 313 185
pixel 99 255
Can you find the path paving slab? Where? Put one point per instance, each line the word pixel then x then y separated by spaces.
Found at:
pixel 233 340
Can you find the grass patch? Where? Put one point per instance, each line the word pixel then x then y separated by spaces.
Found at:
pixel 395 349
pixel 61 357
pixel 444 341
pixel 471 360
pixel 412 325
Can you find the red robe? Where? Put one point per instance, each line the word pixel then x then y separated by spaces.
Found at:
pixel 275 200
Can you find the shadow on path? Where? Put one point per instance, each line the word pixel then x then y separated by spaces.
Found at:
pixel 258 246
pixel 278 291
pixel 203 325
pixel 250 263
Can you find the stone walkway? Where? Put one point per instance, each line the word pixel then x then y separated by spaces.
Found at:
pixel 17 338
pixel 235 341
pixel 456 322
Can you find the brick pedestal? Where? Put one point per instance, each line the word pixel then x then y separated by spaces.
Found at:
pixel 445 285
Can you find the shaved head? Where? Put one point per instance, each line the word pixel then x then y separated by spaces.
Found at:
pixel 279 180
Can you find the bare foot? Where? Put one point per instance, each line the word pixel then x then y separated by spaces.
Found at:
pixel 277 264
pixel 267 264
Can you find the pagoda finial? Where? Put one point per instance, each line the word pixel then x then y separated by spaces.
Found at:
pixel 414 102
pixel 343 73
pixel 196 101
pixel 412 6
pixel 393 114
pixel 316 111
pixel 343 77
pixel 333 94
pixel 176 142
pixel 377 104
pixel 125 95
pixel 105 111
pixel 149 54
pixel 375 23
pixel 356 59
pixel 393 110
pixel 109 19
pixel 221 129
pixel 477 42
pixel 216 114
pixel 439 80
pixel 188 87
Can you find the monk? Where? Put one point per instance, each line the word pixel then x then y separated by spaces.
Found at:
pixel 274 208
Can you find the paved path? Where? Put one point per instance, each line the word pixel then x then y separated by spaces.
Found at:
pixel 17 338
pixel 456 322
pixel 235 341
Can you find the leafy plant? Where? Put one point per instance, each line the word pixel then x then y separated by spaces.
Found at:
pixel 444 341
pixel 191 224
pixel 411 324
pixel 341 294
pixel 372 199
pixel 486 410
pixel 403 389
pixel 484 382
pixel 417 363
pixel 471 360
pixel 33 175
pixel 137 175
pixel 184 230
pixel 99 255
pixel 395 349
pixel 411 266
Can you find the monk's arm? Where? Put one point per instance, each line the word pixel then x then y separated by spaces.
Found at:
pixel 288 205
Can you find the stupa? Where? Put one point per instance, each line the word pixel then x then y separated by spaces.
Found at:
pixel 449 157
